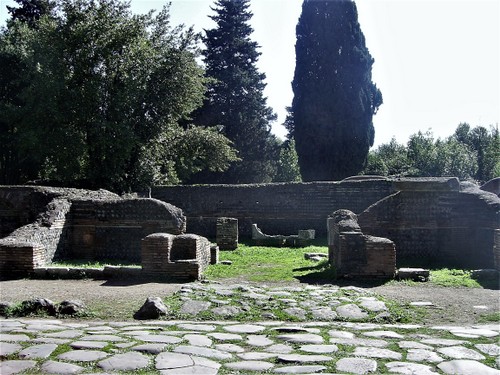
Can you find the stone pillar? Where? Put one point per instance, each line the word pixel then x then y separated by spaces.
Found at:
pixel 227 233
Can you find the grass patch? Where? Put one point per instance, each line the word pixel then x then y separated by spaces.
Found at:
pixel 266 264
pixel 491 317
pixel 453 278
pixel 81 263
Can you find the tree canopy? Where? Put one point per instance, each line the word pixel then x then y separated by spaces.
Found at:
pixel 94 93
pixel 334 96
pixel 235 101
pixel 469 154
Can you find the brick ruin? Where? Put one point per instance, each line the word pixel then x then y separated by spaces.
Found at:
pixel 432 222
pixel 355 254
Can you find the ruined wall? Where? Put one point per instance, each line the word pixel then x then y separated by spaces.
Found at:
pixel 436 224
pixel 79 224
pixel 283 208
pixel 114 229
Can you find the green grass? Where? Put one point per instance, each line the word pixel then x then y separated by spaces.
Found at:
pixel 490 318
pixel 453 278
pixel 266 264
pixel 81 263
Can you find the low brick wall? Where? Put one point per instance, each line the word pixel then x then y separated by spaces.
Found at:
pixel 19 259
pixel 182 257
pixel 227 233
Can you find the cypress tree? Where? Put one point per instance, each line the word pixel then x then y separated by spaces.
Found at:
pixel 235 100
pixel 334 96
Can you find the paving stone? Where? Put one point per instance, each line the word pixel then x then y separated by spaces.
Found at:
pixel 421 303
pixel 8 348
pixel 279 348
pixel 226 336
pixel 169 360
pixel 351 312
pixel 466 367
pixel 231 348
pixel 409 368
pixel 461 352
pixel 14 338
pixel 197 327
pixel 66 334
pixel 15 367
pixel 296 329
pixel 149 348
pixel 164 339
pixel 413 345
pixel 301 338
pixel 53 367
pixel 259 340
pixel 227 311
pixel 372 304
pixel 203 352
pixel 299 369
pixel 124 362
pixel 194 307
pixel 384 334
pixel 39 351
pixel 442 342
pixel 474 332
pixel 319 348
pixel 256 356
pixel 108 338
pixel 360 342
pixel 356 365
pixel 423 355
pixel 88 344
pixel 377 353
pixel 296 312
pixel 244 328
pixel 50 340
pixel 303 358
pixel 249 365
pixel 198 340
pixel 490 349
pixel 82 355
pixel 323 314
pixel 341 334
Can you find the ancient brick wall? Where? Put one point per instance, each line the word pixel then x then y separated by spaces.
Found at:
pixel 114 229
pixel 283 208
pixel 182 257
pixel 436 225
pixel 78 224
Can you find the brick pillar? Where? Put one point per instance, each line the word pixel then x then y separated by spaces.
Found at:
pixel 227 233
pixel 19 259
pixel 155 251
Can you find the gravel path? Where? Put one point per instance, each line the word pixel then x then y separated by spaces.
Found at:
pixel 113 298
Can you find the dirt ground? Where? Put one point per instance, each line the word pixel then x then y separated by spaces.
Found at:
pixel 114 298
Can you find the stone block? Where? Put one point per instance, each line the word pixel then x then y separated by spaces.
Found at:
pixel 227 233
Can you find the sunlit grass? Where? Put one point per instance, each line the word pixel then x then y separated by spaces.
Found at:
pixel 259 263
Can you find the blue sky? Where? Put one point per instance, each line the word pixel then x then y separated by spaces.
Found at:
pixel 437 62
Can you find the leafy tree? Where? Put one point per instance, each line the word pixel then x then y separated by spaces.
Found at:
pixel 334 96
pixel 487 146
pixel 390 159
pixel 30 11
pixel 101 95
pixel 235 100
pixel 288 163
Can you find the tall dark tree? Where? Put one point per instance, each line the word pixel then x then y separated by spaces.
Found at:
pixel 30 11
pixel 235 100
pixel 334 96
